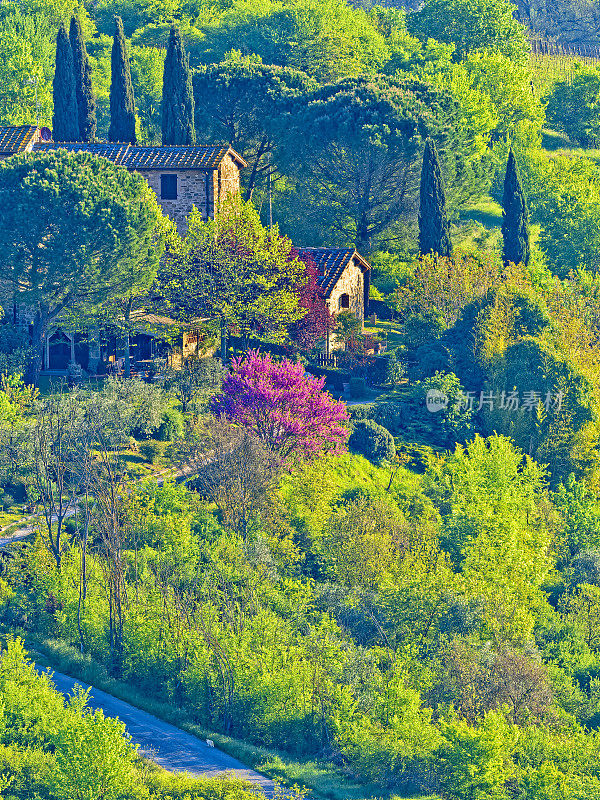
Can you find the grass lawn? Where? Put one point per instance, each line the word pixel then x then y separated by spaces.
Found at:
pixel 386 330
pixel 8 518
pixel 557 143
pixel 486 211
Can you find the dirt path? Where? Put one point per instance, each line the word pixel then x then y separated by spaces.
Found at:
pixel 165 744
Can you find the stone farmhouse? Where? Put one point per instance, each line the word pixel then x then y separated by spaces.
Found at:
pixel 201 176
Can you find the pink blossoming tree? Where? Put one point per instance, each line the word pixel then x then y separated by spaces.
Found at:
pixel 318 321
pixel 284 407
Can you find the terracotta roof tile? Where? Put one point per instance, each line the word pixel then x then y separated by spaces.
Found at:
pixel 331 263
pixel 173 157
pixel 202 157
pixel 113 151
pixel 15 138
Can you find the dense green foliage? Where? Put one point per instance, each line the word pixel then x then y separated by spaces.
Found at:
pixel 178 99
pixel 65 120
pixel 122 104
pixel 433 221
pixel 54 749
pixel 101 231
pixel 424 611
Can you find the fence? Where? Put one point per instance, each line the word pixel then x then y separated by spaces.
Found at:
pixel 322 360
pixel 543 47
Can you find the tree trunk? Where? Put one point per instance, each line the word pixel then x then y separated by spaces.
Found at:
pixel 128 339
pixel 223 343
pixel 38 343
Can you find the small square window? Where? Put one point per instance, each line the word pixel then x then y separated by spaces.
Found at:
pixel 168 187
pixel 344 301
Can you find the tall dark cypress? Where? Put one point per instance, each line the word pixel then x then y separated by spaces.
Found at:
pixel 65 123
pixel 515 219
pixel 178 98
pixel 86 105
pixel 122 104
pixel 434 236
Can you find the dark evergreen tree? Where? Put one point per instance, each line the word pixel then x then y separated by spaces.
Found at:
pixel 515 221
pixel 434 235
pixel 65 123
pixel 122 104
pixel 178 98
pixel 86 105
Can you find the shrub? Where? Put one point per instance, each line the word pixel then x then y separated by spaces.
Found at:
pixel 391 415
pixel 171 426
pixel 394 370
pixel 133 445
pixel 360 412
pixel 373 441
pixel 358 387
pixel 151 451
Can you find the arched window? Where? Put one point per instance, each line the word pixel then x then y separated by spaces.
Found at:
pixel 344 301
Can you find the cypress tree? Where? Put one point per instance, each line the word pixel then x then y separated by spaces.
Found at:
pixel 178 98
pixel 65 123
pixel 86 105
pixel 122 104
pixel 434 236
pixel 515 220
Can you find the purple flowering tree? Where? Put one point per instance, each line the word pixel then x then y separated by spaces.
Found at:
pixel 283 406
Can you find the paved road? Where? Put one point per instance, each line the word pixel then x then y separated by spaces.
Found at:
pixel 165 744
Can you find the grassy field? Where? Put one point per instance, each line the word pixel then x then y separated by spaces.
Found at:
pixel 486 211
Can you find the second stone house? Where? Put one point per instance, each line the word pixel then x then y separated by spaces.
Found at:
pixel 344 276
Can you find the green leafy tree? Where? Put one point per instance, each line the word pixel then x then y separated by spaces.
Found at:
pixel 515 219
pixel 147 67
pixel 495 528
pixel 243 102
pixel 327 39
pixel 86 104
pixel 353 151
pixel 65 121
pixel 101 231
pixel 574 105
pixel 234 270
pixel 178 100
pixel 434 234
pixel 477 25
pixel 26 67
pixel 476 763
pixel 122 104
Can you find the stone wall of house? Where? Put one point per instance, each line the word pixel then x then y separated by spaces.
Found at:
pixel 191 191
pixel 228 180
pixel 352 283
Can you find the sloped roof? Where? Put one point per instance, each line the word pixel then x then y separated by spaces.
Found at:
pixel 113 151
pixel 331 263
pixel 175 157
pixel 15 138
pixel 201 157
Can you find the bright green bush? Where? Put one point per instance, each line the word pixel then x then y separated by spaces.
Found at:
pixel 373 441
pixel 151 450
pixel 171 426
